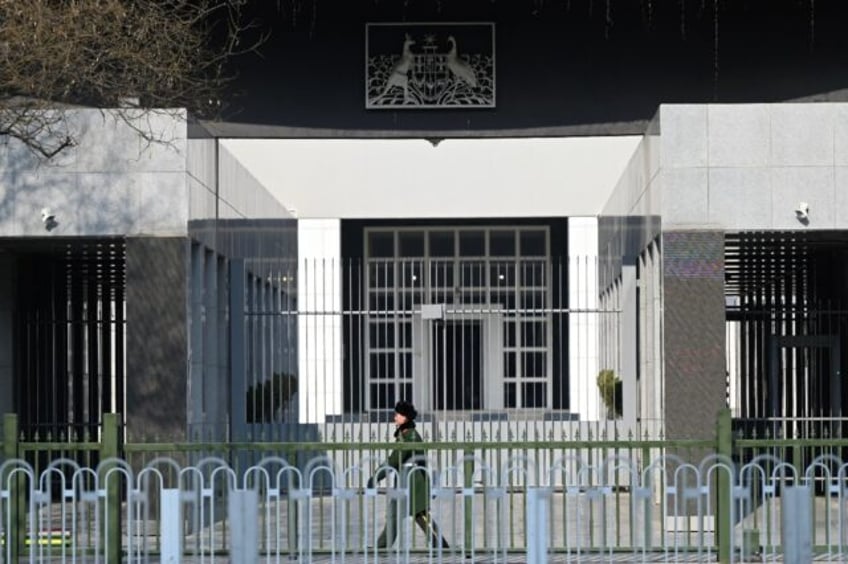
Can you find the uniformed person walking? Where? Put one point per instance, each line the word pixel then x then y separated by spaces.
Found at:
pixel 409 463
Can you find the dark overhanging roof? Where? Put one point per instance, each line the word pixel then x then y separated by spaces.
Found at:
pixel 224 129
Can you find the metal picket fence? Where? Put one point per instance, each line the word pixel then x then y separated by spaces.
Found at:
pixel 607 501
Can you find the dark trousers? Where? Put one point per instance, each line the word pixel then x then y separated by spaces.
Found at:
pixel 424 521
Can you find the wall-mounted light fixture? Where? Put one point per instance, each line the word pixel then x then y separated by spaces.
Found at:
pixel 48 218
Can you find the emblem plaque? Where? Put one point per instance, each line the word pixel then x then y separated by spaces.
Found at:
pixel 429 65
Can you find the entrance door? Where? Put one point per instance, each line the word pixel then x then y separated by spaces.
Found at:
pixel 457 364
pixel 458 361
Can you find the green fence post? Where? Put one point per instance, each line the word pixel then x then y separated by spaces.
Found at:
pixel 648 532
pixel 109 449
pixel 17 511
pixel 724 446
pixel 468 483
pixel 292 518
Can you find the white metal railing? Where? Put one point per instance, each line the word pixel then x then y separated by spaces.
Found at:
pixel 210 512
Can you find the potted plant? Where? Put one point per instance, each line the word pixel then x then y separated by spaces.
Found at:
pixel 609 386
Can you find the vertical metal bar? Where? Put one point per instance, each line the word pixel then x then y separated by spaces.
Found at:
pixel 313 338
pixel 106 359
pixel 323 326
pixel 221 375
pixel 196 256
pixel 120 339
pixel 210 333
pixel 468 484
pixel 91 337
pixel 237 406
pixel 724 526
pixel 109 449
pixel 16 524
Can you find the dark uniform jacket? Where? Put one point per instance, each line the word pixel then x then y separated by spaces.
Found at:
pixel 409 464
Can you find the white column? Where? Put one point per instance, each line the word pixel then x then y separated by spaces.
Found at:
pixel 319 305
pixel 583 327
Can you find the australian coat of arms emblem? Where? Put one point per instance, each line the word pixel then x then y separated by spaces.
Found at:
pixel 430 65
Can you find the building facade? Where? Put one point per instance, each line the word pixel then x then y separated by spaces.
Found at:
pixel 483 209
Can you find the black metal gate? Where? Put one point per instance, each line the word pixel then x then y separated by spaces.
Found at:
pixel 69 334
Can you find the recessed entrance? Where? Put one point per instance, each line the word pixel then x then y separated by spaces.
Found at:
pixel 457 364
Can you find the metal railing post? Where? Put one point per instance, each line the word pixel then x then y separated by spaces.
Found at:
pixel 468 484
pixel 292 518
pixel 724 446
pixel 109 450
pixel 17 511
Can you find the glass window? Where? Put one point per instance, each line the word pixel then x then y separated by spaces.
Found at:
pixel 533 243
pixel 472 243
pixel 406 365
pixel 533 364
pixel 441 244
pixel 405 330
pixel 472 297
pixel 533 333
pixel 472 274
pixel 509 334
pixel 532 300
pixel 509 396
pixel 411 244
pixel 532 273
pixel 380 301
pixel 382 396
pixel 502 274
pixel 442 297
pixel 381 274
pixel 504 267
pixel 534 394
pixel 509 365
pixel 408 300
pixel 411 274
pixel 502 243
pixel 381 244
pixel 382 335
pixel 441 274
pixel 505 301
pixel 382 366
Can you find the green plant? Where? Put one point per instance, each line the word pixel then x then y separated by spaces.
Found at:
pixel 609 386
pixel 267 400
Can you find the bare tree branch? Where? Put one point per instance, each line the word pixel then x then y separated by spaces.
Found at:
pixel 130 55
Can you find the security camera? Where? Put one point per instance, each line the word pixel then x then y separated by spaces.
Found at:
pixel 802 212
pixel 48 218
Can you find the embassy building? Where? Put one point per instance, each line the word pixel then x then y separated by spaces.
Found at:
pixel 522 217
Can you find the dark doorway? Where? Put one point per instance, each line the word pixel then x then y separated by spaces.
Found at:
pixel 68 334
pixel 457 361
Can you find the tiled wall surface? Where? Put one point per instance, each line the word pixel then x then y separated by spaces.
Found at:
pixel 693 283
pixel 111 182
pixel 114 182
pixel 748 166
